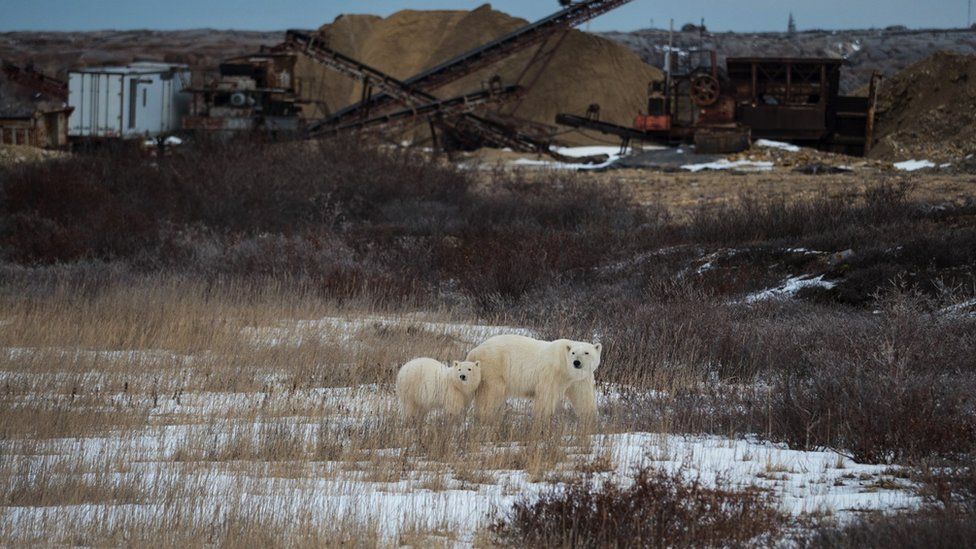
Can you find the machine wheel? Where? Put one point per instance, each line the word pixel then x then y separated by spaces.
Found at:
pixel 705 90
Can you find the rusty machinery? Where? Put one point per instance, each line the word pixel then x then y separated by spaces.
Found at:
pixel 482 56
pixel 453 116
pixel 720 110
pixel 466 129
pixel 251 92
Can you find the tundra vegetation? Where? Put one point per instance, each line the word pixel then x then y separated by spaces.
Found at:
pixel 201 349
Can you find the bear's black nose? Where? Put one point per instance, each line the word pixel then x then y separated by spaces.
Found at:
pixel 577 363
pixel 463 377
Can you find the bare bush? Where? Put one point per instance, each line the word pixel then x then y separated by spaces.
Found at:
pixel 752 219
pixel 899 387
pixel 926 530
pixel 657 510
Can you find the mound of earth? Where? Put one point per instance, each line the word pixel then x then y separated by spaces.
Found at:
pixel 584 69
pixel 928 110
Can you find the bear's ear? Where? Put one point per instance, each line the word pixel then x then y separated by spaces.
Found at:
pixel 599 347
pixel 477 364
pixel 454 364
pixel 569 348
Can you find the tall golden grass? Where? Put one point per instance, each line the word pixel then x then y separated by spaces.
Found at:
pixel 170 413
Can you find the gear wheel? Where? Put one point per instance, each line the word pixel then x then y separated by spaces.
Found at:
pixel 705 90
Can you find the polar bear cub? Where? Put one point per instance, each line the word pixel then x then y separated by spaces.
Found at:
pixel 544 371
pixel 424 385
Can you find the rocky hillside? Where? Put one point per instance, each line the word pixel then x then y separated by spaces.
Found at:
pixel 887 50
pixel 55 52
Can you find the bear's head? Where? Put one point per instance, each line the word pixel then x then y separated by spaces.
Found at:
pixel 466 375
pixel 582 359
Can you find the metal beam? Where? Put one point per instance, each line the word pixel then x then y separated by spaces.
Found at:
pixel 443 108
pixel 492 133
pixel 309 45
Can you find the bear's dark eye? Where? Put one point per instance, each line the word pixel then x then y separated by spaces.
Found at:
pixel 587 352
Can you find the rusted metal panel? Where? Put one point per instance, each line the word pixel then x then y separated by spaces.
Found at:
pixel 808 120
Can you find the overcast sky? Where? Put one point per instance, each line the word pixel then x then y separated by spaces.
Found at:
pixel 739 15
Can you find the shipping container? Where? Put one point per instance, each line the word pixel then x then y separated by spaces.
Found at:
pixel 131 101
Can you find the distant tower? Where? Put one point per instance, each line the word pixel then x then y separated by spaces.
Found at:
pixel 791 26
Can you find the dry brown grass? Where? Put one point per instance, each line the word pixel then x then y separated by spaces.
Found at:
pixel 169 413
pixel 232 414
pixel 684 193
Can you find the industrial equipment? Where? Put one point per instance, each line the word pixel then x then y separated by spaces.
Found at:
pixel 439 108
pixel 468 131
pixel 252 92
pixel 721 110
pixel 239 100
pixel 478 58
pixel 462 131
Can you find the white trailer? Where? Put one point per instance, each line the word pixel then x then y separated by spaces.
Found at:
pixel 131 101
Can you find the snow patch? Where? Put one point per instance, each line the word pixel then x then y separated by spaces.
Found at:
pixel 612 154
pixel 769 144
pixel 964 309
pixel 914 165
pixel 724 164
pixel 790 287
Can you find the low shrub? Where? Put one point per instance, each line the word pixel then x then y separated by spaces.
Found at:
pixel 932 529
pixel 750 219
pixel 895 388
pixel 658 509
pixel 951 485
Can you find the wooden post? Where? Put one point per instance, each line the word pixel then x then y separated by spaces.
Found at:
pixel 872 109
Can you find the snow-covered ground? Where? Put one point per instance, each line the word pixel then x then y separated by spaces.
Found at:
pixel 208 454
pixel 438 497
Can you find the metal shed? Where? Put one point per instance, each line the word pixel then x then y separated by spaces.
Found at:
pixel 136 100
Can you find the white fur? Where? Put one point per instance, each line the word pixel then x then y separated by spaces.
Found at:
pixel 425 385
pixel 522 367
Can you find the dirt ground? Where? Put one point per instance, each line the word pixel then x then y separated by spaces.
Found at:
pixel 683 192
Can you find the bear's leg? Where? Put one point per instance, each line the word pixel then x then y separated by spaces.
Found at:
pixel 488 399
pixel 582 396
pixel 544 406
pixel 454 405
pixel 411 412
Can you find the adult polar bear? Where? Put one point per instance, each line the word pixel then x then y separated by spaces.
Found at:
pixel 545 371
